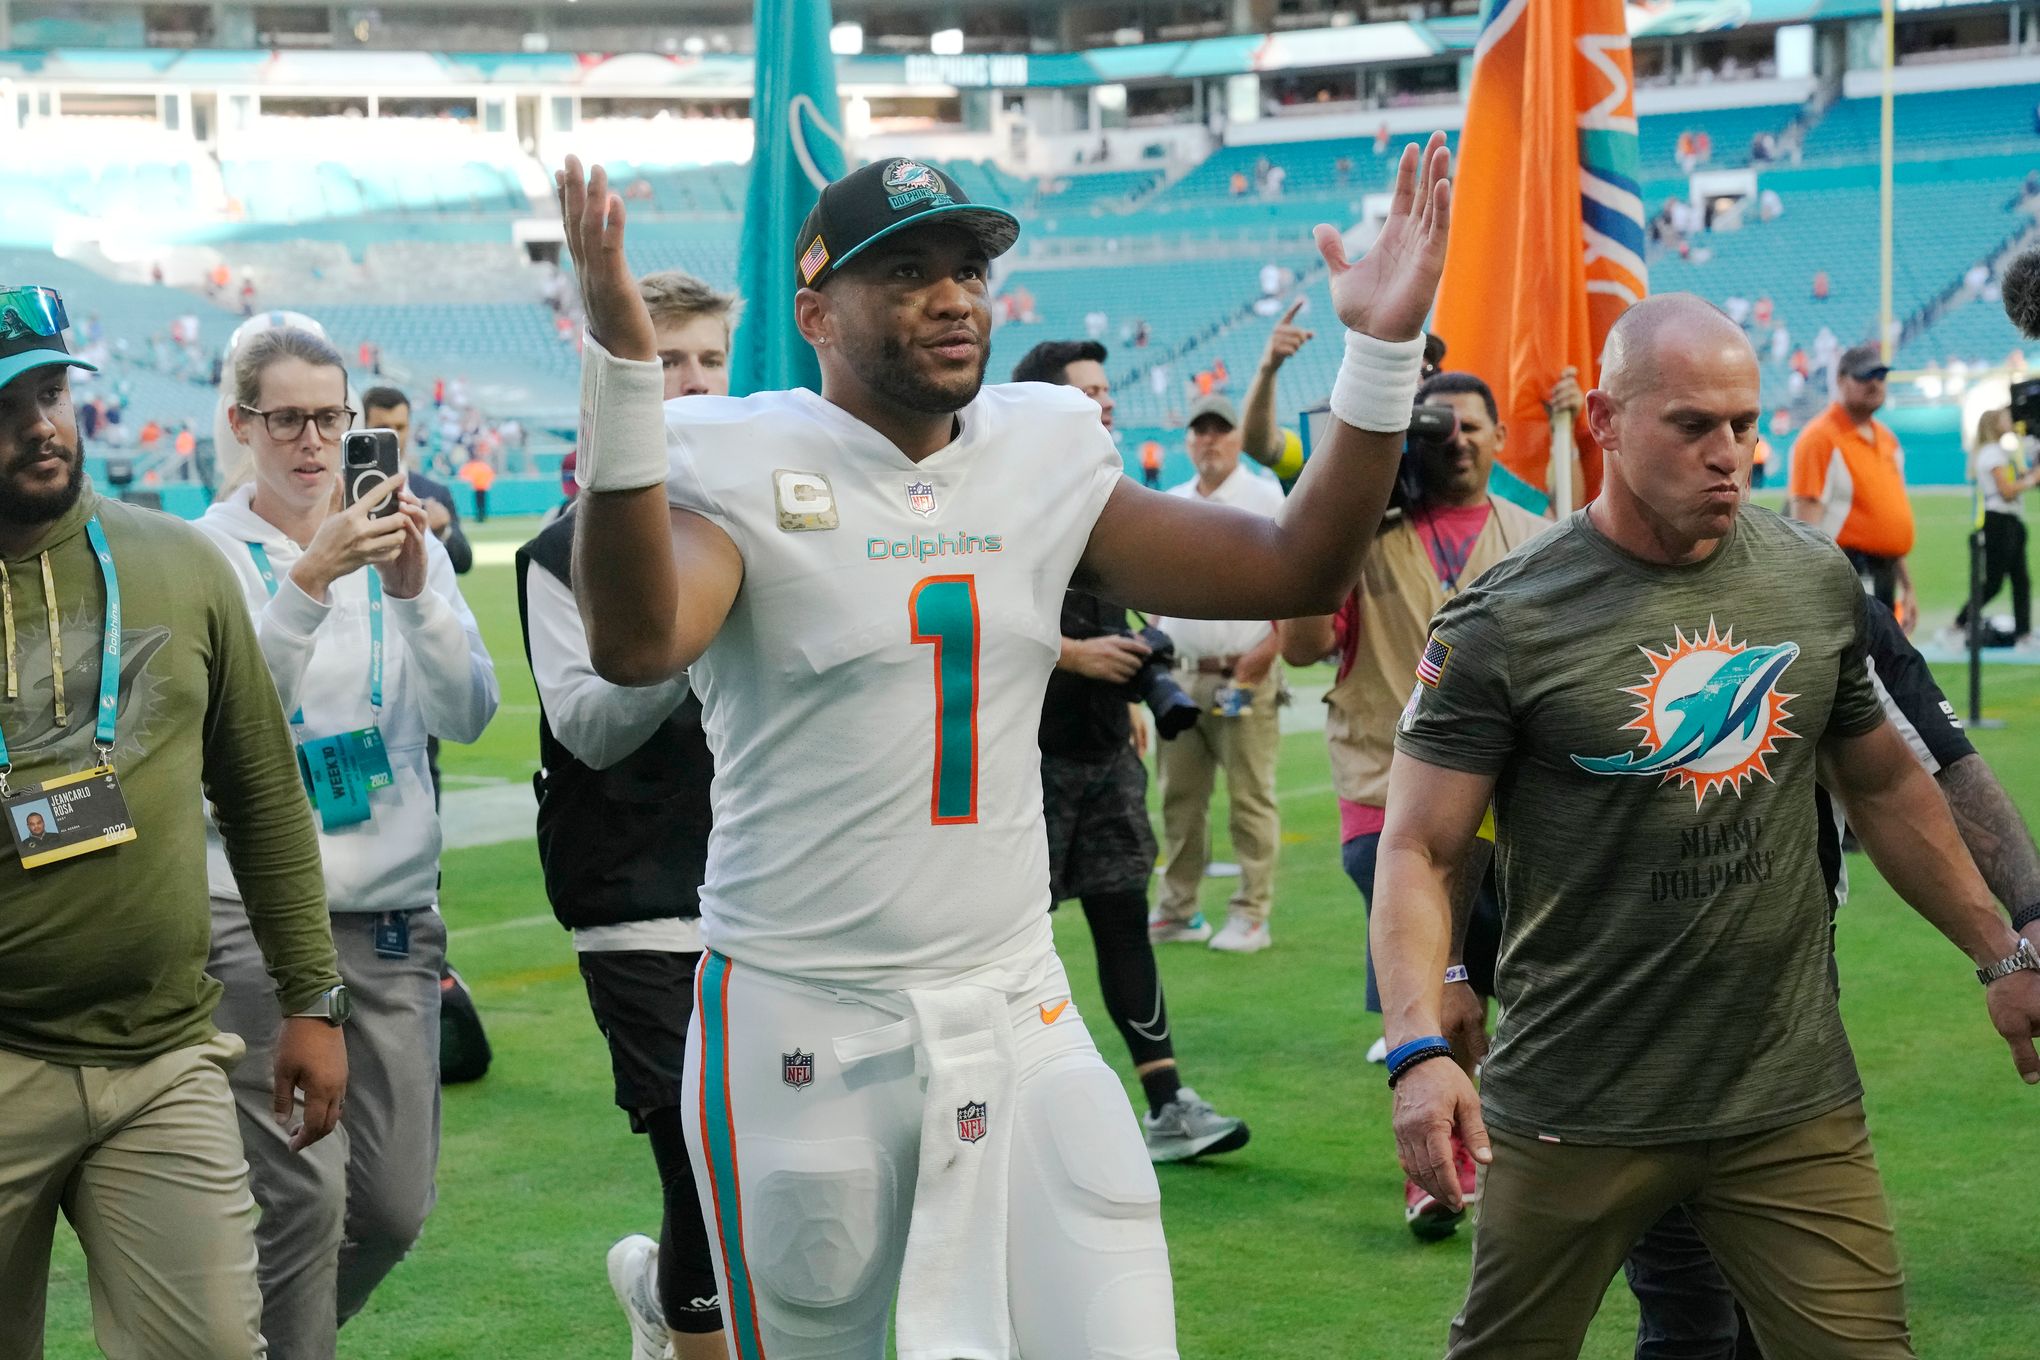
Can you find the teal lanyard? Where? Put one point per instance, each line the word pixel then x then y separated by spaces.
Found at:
pixel 109 658
pixel 375 634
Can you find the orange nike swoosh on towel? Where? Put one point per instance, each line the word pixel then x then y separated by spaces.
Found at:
pixel 1049 1013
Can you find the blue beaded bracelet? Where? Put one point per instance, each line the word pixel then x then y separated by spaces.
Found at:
pixel 1401 1051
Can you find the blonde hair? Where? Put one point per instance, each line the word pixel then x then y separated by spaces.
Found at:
pixel 255 358
pixel 675 297
pixel 1992 426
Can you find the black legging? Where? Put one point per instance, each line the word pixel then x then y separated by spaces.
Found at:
pixel 2004 559
pixel 686 1271
pixel 1126 973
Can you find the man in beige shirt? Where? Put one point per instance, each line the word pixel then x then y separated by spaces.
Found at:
pixel 1443 538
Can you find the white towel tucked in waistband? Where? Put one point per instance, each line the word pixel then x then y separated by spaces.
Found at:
pixel 952 1302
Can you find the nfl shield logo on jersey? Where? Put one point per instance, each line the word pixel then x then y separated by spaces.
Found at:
pixel 921 498
pixel 970 1121
pixel 797 1069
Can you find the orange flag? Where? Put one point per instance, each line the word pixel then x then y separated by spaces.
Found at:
pixel 1547 215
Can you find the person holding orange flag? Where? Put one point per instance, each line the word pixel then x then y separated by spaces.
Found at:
pixel 1548 249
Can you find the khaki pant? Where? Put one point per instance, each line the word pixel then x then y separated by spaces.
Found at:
pixel 1796 1218
pixel 1246 749
pixel 337 1217
pixel 146 1163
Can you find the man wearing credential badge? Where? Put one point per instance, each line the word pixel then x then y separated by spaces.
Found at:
pixel 366 662
pixel 134 692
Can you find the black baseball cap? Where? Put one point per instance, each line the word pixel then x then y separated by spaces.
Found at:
pixel 872 203
pixel 1864 363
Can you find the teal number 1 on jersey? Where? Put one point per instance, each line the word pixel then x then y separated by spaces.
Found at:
pixel 943 611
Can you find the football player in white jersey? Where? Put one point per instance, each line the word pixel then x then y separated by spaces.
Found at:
pixel 889 1093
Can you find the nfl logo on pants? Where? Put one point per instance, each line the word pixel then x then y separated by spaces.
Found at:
pixel 970 1121
pixel 797 1069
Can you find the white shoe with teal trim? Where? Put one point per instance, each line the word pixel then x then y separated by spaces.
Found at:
pixel 1188 1127
pixel 634 1275
pixel 1240 936
pixel 1164 930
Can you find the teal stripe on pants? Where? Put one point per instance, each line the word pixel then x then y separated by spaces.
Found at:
pixel 719 1143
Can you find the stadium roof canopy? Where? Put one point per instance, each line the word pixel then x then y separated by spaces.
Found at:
pixel 1356 44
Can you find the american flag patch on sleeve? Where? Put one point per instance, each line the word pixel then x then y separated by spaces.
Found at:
pixel 811 263
pixel 1431 668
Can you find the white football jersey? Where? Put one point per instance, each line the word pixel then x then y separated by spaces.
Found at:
pixel 874 698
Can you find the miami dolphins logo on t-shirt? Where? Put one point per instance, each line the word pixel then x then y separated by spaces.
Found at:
pixel 1709 712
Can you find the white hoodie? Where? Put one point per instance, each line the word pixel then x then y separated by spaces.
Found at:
pixel 437 678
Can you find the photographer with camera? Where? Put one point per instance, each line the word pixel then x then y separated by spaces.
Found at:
pixel 1228 667
pixel 1443 530
pixel 1101 849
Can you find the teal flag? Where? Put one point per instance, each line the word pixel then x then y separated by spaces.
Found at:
pixel 797 125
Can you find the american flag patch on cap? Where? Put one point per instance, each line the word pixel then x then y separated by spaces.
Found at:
pixel 813 261
pixel 1431 668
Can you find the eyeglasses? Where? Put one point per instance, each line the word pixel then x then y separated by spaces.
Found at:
pixel 288 422
pixel 30 311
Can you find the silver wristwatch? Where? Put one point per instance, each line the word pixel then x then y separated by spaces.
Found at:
pixel 2025 957
pixel 332 1005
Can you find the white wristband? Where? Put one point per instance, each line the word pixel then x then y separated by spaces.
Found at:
pixel 623 421
pixel 1377 383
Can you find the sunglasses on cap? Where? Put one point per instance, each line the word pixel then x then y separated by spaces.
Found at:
pixel 32 311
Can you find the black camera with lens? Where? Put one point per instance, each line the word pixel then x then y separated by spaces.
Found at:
pixel 1174 711
pixel 1432 428
pixel 2026 406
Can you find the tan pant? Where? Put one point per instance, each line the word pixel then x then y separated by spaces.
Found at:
pixel 1246 749
pixel 145 1162
pixel 1796 1217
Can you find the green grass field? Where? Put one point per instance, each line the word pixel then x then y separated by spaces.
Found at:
pixel 1293 1248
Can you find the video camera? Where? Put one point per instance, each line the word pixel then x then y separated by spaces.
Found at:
pixel 1431 429
pixel 2026 406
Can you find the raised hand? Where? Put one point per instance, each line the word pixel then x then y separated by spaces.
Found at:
pixel 1389 293
pixel 1566 394
pixel 1288 337
pixel 592 218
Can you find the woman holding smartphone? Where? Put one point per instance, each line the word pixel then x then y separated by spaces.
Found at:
pixel 371 647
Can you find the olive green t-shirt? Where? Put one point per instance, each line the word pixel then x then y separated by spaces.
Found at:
pixel 102 957
pixel 1664 962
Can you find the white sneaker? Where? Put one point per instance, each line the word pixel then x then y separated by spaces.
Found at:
pixel 634 1276
pixel 1240 936
pixel 1164 930
pixel 1378 1053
